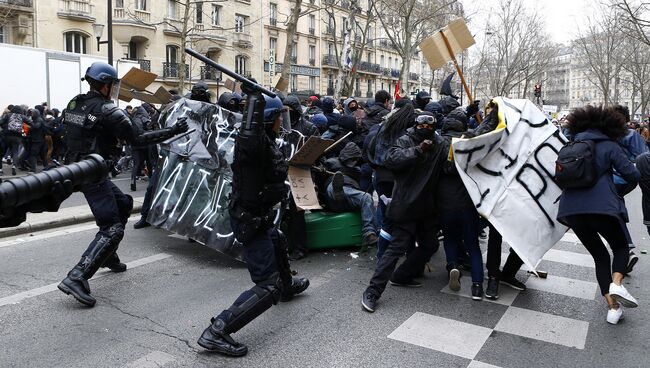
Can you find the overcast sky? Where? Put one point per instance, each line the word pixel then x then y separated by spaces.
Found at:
pixel 562 17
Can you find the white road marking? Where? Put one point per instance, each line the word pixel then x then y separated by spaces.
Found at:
pixel 155 359
pixel 572 258
pixel 442 334
pixel 47 235
pixel 564 286
pixel 545 327
pixel 17 298
pixel 477 364
pixel 507 295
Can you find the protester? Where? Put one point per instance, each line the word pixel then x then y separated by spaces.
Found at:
pixel 594 211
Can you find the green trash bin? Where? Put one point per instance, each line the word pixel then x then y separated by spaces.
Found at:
pixel 333 230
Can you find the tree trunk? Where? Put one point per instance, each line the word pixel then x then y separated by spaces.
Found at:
pixel 184 31
pixel 292 24
pixel 343 70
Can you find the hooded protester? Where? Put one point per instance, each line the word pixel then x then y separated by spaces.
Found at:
pixel 229 101
pixel 344 194
pixel 328 110
pixel 12 127
pixel 314 106
pixel 447 104
pixel 350 105
pixel 416 159
pixel 320 121
pixel 200 92
pixel 435 108
pixel 422 99
pixel 36 139
pixel 379 109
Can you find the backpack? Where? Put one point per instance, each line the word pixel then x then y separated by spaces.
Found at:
pixel 378 148
pixel 575 167
pixel 15 124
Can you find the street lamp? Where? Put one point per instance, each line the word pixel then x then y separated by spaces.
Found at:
pixel 98 30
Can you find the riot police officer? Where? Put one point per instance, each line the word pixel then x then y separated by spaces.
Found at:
pixel 258 184
pixel 94 125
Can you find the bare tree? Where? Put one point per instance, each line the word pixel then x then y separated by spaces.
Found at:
pixel 634 18
pixel 407 22
pixel 636 73
pixel 599 46
pixel 516 52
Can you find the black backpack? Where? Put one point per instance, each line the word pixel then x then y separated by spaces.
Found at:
pixel 576 165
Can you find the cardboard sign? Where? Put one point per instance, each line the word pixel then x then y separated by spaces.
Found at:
pixel 282 84
pixel 302 186
pixel 435 50
pixel 134 84
pixel 233 86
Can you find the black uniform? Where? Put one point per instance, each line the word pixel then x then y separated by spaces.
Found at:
pixel 259 173
pixel 94 125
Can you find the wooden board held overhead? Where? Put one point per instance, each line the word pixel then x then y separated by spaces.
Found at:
pixel 302 186
pixel 435 50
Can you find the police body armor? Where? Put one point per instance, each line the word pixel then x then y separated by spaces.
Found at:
pixel 88 120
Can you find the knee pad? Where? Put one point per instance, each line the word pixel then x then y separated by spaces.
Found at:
pixel 116 233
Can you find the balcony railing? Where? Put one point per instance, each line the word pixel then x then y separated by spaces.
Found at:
pixel 293 59
pixel 173 70
pixel 329 60
pixel 385 72
pixel 383 43
pixel 394 73
pixel 73 6
pixel 414 76
pixel 210 73
pixel 328 30
pixel 243 39
pixel 144 64
pixel 247 74
pixel 273 22
pixel 312 62
pixel 25 3
pixel 357 93
pixel 137 15
pixel 312 31
pixel 365 66
pixel 369 94
pixel 345 4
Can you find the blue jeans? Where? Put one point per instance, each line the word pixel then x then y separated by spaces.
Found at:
pixel 463 226
pixel 354 200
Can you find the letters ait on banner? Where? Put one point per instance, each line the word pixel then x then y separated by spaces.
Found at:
pixel 509 175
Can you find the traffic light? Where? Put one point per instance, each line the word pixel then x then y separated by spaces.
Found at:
pixel 538 90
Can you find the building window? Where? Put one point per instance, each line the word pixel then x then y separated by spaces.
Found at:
pixel 312 23
pixel 171 9
pixel 240 23
pixel 330 49
pixel 172 54
pixel 390 62
pixel 381 61
pixel 312 84
pixel 199 12
pixel 2 34
pixel 273 44
pixel 216 14
pixel 273 14
pixel 119 3
pixel 141 5
pixel 75 42
pixel 241 64
pixel 294 82
pixel 294 51
pixel 312 52
pixel 369 57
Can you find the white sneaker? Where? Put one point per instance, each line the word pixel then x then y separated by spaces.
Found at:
pixel 615 315
pixel 622 296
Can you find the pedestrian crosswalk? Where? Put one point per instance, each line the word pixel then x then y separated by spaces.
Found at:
pixel 466 340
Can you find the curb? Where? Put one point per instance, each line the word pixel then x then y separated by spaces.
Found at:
pixel 26 227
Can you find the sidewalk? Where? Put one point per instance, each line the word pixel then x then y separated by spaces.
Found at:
pixel 64 217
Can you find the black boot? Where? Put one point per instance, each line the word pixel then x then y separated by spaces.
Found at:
pixel 142 223
pixel 113 263
pixel 298 285
pixel 215 339
pixel 74 284
pixel 133 188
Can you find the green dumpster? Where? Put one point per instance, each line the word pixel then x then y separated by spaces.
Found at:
pixel 333 230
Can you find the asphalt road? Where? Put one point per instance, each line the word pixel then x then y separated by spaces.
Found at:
pixel 153 314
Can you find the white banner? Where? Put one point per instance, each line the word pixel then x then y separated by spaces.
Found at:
pixel 509 175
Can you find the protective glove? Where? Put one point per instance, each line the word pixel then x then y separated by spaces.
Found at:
pixel 180 126
pixel 472 109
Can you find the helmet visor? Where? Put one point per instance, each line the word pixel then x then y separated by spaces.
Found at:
pixel 115 90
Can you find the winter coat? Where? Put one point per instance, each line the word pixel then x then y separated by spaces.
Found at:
pixel 447 104
pixel 451 194
pixel 633 145
pixel 351 174
pixel 643 165
pixel 37 129
pixel 337 131
pixel 602 198
pixel 346 109
pixel 416 177
pixel 140 120
pixel 375 114
pixel 328 110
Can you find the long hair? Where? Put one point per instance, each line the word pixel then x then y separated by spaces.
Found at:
pixel 605 119
pixel 398 122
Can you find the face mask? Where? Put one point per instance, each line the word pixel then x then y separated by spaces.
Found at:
pixel 295 115
pixel 424 133
pixel 353 108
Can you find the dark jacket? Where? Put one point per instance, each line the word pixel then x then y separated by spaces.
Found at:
pixel 375 114
pixel 416 177
pixel 328 110
pixel 351 173
pixel 602 198
pixel 643 165
pixel 140 120
pixel 451 194
pixel 36 128
pixel 303 126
